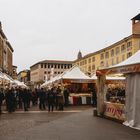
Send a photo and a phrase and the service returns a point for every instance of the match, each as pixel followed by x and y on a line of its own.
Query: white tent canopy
pixel 6 77
pixel 74 73
pixel 20 84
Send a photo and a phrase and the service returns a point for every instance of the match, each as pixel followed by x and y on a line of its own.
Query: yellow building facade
pixel 113 54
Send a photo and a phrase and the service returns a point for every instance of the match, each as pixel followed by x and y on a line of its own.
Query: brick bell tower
pixel 136 24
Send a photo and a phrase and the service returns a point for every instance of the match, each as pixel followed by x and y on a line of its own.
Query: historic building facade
pixel 24 76
pixel 44 70
pixel 14 74
pixel 6 54
pixel 113 54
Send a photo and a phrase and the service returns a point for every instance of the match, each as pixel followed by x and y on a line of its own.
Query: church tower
pixel 79 56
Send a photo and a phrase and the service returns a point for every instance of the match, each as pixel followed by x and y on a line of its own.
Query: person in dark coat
pixel 1 99
pixel 42 99
pixel 94 97
pixel 50 99
pixel 25 99
pixel 66 97
pixel 20 94
pixel 10 100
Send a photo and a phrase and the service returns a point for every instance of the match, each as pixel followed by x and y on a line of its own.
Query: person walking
pixel 94 97
pixel 1 99
pixel 50 99
pixel 42 99
pixel 66 97
pixel 25 99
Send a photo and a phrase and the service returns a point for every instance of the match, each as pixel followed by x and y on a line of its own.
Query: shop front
pixel 124 105
pixel 79 91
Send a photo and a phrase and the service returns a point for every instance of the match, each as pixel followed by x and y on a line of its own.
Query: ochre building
pixel 113 54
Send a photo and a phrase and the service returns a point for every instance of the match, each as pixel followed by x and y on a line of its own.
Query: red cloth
pixel 75 100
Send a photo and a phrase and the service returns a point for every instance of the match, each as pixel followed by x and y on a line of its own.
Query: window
pixel 58 66
pixel 107 64
pixel 93 59
pixel 45 66
pixel 51 65
pixel 112 61
pixel 65 66
pixel 117 60
pixel 89 60
pixel 129 54
pixel 89 68
pixel 112 52
pixel 123 48
pixel 41 65
pixel 49 72
pixel 45 72
pixel 107 55
pixel 102 63
pixel 117 50
pixel 48 65
pixel 44 77
pixel 93 67
pixel 85 62
pixel 55 65
pixel 129 46
pixel 123 57
pixel 61 66
pixel 102 56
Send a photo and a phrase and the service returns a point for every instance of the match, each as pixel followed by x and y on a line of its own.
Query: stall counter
pixel 115 111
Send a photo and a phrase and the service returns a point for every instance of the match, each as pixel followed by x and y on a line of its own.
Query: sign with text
pixel 115 110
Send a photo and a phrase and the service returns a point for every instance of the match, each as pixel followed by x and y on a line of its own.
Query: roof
pixel 75 73
pixel 117 43
pixel 137 17
pixel 52 62
pixel 23 71
pixel 14 66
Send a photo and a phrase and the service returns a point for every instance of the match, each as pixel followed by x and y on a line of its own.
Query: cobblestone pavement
pixel 15 123
pixel 76 123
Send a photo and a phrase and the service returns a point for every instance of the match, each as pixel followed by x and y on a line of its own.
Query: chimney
pixel 136 24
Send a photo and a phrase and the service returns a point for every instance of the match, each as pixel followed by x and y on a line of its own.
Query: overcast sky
pixel 58 29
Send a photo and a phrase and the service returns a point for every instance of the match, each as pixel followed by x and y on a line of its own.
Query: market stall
pixel 17 83
pixel 79 86
pixel 130 112
pixel 77 83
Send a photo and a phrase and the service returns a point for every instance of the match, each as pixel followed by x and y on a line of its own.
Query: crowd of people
pixel 18 98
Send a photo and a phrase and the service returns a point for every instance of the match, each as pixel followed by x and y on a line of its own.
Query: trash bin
pixel 95 112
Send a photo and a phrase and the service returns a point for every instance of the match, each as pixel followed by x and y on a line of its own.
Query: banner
pixel 115 110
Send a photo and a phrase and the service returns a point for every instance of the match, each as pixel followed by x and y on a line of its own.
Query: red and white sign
pixel 115 110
